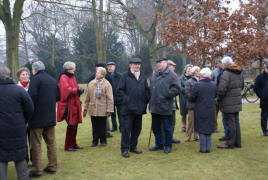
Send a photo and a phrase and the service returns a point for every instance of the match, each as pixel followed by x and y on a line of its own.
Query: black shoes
pixel 113 130
pixel 93 145
pixel 33 175
pixel 78 147
pixel 125 154
pixel 136 151
pixel 167 150
pixel 223 138
pixel 175 141
pixel 109 135
pixel 156 148
pixel 49 171
pixel 103 144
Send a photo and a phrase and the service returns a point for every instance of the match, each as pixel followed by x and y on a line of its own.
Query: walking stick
pixel 150 135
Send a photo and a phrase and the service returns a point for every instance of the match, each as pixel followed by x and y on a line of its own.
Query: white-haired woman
pixel 99 104
pixel 69 106
pixel 189 86
pixel 203 95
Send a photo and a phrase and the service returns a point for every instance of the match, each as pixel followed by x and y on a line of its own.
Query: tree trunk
pixel 12 47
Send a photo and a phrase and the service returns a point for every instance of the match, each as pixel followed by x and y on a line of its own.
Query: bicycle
pixel 248 93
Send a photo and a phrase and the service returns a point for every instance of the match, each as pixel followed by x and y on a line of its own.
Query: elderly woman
pixel 16 108
pixel 23 75
pixel 182 97
pixel 189 86
pixel 99 104
pixel 69 106
pixel 203 95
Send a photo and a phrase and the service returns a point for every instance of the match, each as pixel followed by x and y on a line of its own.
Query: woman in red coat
pixel 69 106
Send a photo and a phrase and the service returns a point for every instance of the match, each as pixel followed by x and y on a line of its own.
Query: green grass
pixel 185 162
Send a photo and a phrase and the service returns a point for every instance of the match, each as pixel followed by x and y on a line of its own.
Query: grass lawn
pixel 185 161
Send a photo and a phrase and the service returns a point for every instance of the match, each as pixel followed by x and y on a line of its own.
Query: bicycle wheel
pixel 250 96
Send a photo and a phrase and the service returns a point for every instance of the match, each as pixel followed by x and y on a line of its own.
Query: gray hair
pixel 227 60
pixel 205 72
pixel 38 66
pixel 4 72
pixel 68 65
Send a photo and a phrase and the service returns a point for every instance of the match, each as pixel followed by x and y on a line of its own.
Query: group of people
pixel 27 109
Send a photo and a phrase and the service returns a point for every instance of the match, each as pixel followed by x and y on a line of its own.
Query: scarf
pixel 24 84
pixel 99 89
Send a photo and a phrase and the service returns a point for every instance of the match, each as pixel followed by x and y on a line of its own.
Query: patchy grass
pixel 185 161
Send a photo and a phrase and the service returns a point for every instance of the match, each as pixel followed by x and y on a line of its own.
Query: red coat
pixel 68 87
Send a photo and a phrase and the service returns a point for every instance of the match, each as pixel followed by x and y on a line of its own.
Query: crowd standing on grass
pixel 202 94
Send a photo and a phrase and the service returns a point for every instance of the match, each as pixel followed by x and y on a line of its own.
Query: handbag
pixel 65 114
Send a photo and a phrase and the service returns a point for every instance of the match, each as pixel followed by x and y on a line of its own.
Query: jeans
pixel 157 121
pixel 205 142
pixel 224 126
pixel 131 128
pixel 264 117
pixel 21 169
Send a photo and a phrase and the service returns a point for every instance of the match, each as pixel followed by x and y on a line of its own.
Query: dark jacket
pixel 203 94
pixel 45 93
pixel 16 108
pixel 182 96
pixel 230 87
pixel 164 87
pixel 133 95
pixel 261 89
pixel 115 81
pixel 189 87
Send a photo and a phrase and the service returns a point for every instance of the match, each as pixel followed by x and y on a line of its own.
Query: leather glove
pixel 109 114
pixel 80 91
pixel 84 113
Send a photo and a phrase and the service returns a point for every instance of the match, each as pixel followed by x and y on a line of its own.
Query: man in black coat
pixel 45 93
pixel 261 89
pixel 115 76
pixel 164 87
pixel 133 95
pixel 16 108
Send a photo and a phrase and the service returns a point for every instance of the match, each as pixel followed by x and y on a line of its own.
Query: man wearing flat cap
pixel 115 76
pixel 133 95
pixel 261 89
pixel 164 87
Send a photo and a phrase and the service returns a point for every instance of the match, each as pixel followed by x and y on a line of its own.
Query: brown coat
pixel 99 107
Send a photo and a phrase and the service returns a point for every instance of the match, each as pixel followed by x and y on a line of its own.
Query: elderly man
pixel 172 67
pixel 164 87
pixel 230 103
pixel 115 76
pixel 16 108
pixel 261 89
pixel 45 93
pixel 133 95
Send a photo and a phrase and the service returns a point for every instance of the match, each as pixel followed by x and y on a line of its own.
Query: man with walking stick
pixel 164 87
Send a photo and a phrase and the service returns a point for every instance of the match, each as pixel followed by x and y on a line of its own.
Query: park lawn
pixel 185 161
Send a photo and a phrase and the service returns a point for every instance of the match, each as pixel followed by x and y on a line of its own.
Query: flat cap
pixel 100 65
pixel 161 59
pixel 171 63
pixel 134 60
pixel 111 63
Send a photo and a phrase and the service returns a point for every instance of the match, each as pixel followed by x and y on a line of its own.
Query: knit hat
pixel 205 72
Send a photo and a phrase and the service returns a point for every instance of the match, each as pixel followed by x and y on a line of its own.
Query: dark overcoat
pixel 204 94
pixel 133 95
pixel 182 95
pixel 261 89
pixel 16 108
pixel 45 93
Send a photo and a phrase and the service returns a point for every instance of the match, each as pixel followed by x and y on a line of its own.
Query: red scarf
pixel 24 84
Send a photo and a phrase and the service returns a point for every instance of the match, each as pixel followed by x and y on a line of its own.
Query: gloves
pixel 80 91
pixel 84 113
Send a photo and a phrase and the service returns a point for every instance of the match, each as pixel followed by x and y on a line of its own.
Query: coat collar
pixel 164 73
pixel 6 81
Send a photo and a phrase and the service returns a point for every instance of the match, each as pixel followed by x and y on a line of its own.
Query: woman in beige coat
pixel 99 104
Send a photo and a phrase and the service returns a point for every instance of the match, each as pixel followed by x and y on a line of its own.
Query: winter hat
pixel 205 72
